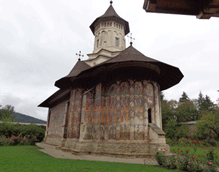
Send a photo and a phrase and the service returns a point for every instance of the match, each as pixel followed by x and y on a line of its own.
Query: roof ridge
pixel 79 67
pixel 131 54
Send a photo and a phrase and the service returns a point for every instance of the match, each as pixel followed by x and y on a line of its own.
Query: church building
pixel 110 104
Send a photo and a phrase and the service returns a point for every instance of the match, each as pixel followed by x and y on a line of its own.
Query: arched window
pixel 149 116
pixel 117 42
pixel 98 43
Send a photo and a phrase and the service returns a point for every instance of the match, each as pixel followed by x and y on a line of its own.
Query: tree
pixel 6 113
pixel 183 98
pixel 168 110
pixel 170 129
pixel 210 121
pixel 200 101
pixel 186 111
pixel 161 96
pixel 205 103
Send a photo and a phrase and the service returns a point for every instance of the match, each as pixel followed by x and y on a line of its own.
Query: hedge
pixel 9 129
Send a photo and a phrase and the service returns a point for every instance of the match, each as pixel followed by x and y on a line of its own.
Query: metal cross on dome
pixel 79 55
pixel 131 38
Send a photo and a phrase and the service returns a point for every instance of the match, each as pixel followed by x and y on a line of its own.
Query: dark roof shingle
pixel 110 14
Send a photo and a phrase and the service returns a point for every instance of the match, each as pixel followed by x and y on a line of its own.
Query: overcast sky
pixel 39 40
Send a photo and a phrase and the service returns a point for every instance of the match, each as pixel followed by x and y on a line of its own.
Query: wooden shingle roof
pixel 166 75
pixel 202 9
pixel 110 14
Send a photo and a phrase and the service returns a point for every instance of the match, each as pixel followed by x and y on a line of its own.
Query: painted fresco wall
pixel 74 114
pixel 56 119
pixel 120 112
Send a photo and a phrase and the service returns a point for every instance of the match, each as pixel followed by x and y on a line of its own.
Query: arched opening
pixel 149 116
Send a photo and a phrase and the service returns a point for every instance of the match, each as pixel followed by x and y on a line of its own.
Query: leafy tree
pixel 183 131
pixel 183 98
pixel 210 121
pixel 168 110
pixel 186 111
pixel 170 129
pixel 6 113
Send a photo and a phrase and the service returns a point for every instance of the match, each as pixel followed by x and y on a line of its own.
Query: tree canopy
pixel 6 113
pixel 186 109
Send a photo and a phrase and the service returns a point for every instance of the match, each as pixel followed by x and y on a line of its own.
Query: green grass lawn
pixel 28 158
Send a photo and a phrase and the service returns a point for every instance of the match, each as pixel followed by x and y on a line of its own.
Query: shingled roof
pixel 130 54
pixel 167 75
pixel 78 68
pixel 110 14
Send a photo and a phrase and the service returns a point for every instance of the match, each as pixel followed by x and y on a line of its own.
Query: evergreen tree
pixel 209 105
pixel 183 98
pixel 205 103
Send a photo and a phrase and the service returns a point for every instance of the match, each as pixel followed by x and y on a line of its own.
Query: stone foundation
pixel 110 148
pixel 53 141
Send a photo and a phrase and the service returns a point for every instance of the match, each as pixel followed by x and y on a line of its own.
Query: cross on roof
pixel 79 54
pixel 131 38
pixel 111 2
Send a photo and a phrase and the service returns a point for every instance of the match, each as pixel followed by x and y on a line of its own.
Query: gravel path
pixel 52 151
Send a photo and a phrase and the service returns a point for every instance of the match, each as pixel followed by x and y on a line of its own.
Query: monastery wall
pixel 109 118
pixel 120 112
pixel 55 121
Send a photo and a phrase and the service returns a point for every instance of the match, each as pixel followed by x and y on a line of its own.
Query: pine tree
pixel 183 98
pixel 200 102
pixel 205 103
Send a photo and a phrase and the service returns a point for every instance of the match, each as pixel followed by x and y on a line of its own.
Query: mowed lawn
pixel 28 158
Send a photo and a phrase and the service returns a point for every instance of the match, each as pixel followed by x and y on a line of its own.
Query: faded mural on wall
pixel 116 112
pixel 57 115
pixel 119 112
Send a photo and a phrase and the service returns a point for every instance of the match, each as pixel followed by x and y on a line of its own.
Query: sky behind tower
pixel 39 40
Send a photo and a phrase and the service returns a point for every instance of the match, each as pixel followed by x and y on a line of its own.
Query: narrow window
pixel 149 116
pixel 98 43
pixel 117 42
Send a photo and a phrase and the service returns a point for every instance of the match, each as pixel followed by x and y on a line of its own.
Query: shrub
pixel 17 140
pixel 170 142
pixel 183 163
pixel 185 160
pixel 8 130
pixel 184 142
pixel 160 157
pixel 170 129
pixel 183 131
pixel 166 161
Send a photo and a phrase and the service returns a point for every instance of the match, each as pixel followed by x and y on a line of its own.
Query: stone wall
pixel 120 111
pixel 111 119
pixel 55 120
pixel 74 114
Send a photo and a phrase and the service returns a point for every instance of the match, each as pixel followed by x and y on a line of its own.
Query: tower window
pixel 149 116
pixel 117 42
pixel 98 41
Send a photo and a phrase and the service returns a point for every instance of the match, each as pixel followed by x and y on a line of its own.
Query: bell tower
pixel 109 31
